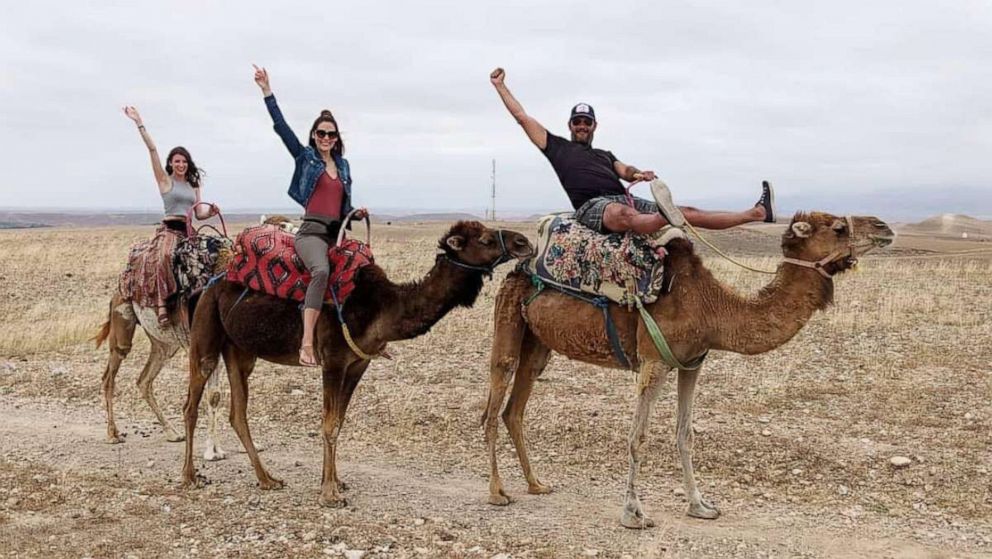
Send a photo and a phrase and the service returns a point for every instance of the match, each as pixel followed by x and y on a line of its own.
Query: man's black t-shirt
pixel 585 172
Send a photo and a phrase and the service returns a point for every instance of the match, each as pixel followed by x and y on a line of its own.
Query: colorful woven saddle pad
pixel 618 266
pixel 265 260
pixel 195 260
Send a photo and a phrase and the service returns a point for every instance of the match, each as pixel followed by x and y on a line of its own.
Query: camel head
pixel 280 221
pixel 472 245
pixel 832 244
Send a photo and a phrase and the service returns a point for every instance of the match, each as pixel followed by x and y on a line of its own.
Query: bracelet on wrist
pixel 141 127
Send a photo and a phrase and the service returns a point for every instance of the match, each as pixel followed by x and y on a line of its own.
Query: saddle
pixel 265 260
pixel 622 267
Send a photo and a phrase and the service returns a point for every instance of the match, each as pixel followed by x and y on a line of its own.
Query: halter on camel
pixel 487 269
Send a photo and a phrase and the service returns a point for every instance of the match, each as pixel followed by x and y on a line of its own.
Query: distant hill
pixel 951 225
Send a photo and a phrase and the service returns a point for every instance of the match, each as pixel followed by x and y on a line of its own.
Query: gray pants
pixel 312 241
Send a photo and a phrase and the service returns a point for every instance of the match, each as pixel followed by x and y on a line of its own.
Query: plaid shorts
pixel 591 213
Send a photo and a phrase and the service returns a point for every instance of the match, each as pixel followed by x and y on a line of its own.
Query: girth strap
pixel 662 345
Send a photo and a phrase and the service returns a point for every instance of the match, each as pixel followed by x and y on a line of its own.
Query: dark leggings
pixel 312 242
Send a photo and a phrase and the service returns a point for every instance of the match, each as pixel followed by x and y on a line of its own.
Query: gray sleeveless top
pixel 179 199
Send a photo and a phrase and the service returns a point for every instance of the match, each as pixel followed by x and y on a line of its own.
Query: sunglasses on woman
pixel 326 133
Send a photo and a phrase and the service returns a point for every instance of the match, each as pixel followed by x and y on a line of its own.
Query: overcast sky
pixel 828 99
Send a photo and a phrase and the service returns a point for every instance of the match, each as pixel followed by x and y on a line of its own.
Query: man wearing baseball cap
pixel 591 179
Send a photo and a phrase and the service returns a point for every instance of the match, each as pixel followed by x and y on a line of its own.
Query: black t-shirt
pixel 585 172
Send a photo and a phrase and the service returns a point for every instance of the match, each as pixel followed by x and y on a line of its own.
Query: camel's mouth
pixel 879 235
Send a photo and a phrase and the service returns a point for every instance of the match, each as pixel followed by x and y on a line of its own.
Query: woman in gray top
pixel 149 279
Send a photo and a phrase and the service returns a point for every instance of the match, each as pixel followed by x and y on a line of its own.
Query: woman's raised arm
pixel 160 175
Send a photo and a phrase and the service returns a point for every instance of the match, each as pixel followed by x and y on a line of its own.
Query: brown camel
pixel 698 314
pixel 245 326
pixel 165 341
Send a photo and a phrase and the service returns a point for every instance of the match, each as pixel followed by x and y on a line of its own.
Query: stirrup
pixel 667 207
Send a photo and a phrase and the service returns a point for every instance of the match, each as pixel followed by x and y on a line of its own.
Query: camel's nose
pixel 881 234
pixel 519 245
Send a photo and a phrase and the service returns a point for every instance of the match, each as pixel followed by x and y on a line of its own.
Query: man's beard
pixel 587 141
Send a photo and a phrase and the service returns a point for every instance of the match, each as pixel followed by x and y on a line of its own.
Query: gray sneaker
pixel 767 201
pixel 668 209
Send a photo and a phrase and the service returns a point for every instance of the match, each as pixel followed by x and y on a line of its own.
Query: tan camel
pixel 165 341
pixel 697 315
pixel 245 326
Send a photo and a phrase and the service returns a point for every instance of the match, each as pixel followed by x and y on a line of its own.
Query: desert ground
pixel 794 446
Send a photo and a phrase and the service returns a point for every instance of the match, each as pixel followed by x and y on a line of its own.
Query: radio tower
pixel 492 211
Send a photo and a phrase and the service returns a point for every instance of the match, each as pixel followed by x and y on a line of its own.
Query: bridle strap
pixel 486 269
pixel 819 265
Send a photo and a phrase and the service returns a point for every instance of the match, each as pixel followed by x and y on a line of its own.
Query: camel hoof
pixel 115 439
pixel 175 437
pixel 703 510
pixel 636 521
pixel 538 489
pixel 214 454
pixel 195 481
pixel 271 484
pixel 500 499
pixel 333 502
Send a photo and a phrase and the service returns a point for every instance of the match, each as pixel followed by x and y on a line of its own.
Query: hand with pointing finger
pixel 262 79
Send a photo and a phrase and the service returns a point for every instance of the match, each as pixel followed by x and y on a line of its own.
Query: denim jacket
pixel 309 165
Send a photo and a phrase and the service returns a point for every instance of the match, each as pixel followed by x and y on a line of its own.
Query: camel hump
pixel 620 267
pixel 265 260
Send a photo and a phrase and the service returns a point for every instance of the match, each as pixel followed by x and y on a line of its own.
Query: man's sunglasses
pixel 326 133
pixel 581 120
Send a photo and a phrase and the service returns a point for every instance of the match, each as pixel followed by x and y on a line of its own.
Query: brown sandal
pixel 304 362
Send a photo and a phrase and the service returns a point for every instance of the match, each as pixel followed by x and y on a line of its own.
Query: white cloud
pixel 822 97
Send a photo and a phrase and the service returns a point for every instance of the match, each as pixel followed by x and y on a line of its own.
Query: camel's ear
pixel 802 229
pixel 456 242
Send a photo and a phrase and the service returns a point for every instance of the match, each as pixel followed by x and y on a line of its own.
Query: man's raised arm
pixel 537 133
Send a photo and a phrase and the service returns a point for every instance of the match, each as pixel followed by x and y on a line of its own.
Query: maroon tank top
pixel 326 198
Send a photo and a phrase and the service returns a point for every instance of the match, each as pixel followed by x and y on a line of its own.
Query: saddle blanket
pixel 622 267
pixel 265 260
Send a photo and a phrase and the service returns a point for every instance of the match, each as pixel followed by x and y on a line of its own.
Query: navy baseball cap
pixel 583 109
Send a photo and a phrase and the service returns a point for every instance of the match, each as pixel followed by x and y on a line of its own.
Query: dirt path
pixel 80 496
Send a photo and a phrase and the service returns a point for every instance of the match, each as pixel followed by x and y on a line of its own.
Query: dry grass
pixel 900 365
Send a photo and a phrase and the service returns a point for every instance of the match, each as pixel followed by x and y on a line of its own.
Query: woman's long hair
pixel 193 173
pixel 327 116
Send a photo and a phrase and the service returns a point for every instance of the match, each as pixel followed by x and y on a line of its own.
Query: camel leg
pixel 510 328
pixel 339 386
pixel 533 358
pixel 212 451
pixel 239 368
pixel 160 353
pixel 121 323
pixel 355 373
pixel 698 506
pixel 652 377
pixel 201 365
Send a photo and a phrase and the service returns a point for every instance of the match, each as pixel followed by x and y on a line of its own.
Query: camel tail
pixel 104 332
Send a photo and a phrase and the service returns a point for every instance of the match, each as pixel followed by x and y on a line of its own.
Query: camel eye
pixel 485 241
pixel 840 228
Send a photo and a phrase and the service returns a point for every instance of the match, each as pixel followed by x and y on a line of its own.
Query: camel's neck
pixel 772 317
pixel 421 304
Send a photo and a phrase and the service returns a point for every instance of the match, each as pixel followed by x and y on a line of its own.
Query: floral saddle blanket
pixel 265 260
pixel 622 267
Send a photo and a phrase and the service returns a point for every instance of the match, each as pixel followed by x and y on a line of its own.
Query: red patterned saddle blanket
pixel 265 260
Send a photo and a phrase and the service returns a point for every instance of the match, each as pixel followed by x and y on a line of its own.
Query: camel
pixel 165 341
pixel 243 326
pixel 697 315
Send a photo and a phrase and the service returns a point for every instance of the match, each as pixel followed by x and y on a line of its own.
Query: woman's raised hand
pixel 132 114
pixel 262 79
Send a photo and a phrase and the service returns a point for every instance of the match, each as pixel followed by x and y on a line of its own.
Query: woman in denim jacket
pixel 322 185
